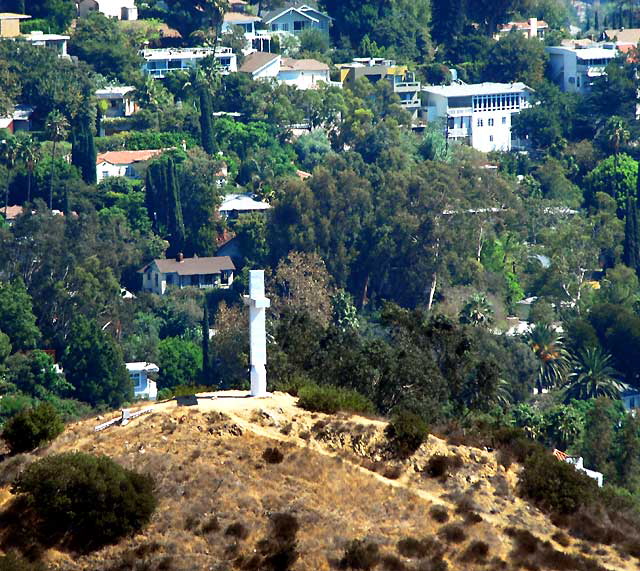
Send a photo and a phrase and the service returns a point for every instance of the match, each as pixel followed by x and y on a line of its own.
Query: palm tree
pixel 616 134
pixel 593 376
pixel 9 157
pixel 56 127
pixel 548 347
pixel 477 311
pixel 29 154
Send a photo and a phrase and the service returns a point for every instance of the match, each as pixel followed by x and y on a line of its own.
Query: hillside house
pixel 532 28
pixel 159 62
pixel 303 73
pixel 235 204
pixel 478 115
pixel 10 24
pixel 246 22
pixel 123 163
pixel 119 100
pixel 143 387
pixel 119 9
pixel 181 272
pixel 574 69
pixel 375 69
pixel 19 120
pixel 261 65
pixel 56 42
pixel 294 18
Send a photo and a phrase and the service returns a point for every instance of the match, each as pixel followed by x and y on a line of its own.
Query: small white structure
pixel 123 163
pixel 631 399
pixel 55 42
pixel 143 386
pixel 574 69
pixel 181 272
pixel 120 9
pixel 578 463
pixel 119 100
pixel 159 62
pixel 258 304
pixel 235 204
pixel 19 120
pixel 478 114
pixel 303 73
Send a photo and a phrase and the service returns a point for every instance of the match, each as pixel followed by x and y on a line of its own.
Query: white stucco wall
pixel 303 79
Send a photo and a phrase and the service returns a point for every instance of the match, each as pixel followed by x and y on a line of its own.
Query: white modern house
pixel 119 9
pixel 55 42
pixel 235 204
pixel 18 120
pixel 143 387
pixel 303 73
pixel 123 163
pixel 294 18
pixel 574 69
pixel 181 272
pixel 478 114
pixel 159 62
pixel 119 100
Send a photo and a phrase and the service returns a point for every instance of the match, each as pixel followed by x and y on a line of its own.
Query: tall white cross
pixel 258 304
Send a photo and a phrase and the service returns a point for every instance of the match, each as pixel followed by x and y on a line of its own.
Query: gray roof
pixel 256 61
pixel 267 16
pixel 467 90
pixel 195 266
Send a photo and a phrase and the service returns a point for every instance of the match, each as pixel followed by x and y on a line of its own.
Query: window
pixel 490 122
pixel 504 120
pixel 299 25
pixel 285 27
pixel 105 174
pixel 274 27
pixel 479 122
pixel 491 138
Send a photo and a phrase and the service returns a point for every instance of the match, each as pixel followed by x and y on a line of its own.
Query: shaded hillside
pixel 224 469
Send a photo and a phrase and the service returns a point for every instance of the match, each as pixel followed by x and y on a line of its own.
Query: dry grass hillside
pixel 223 468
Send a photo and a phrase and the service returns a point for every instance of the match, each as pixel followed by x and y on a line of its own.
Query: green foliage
pixel 330 400
pixel 180 362
pixel 616 176
pixel 34 374
pixel 92 499
pixel 407 431
pixel 16 315
pixel 94 365
pixel 32 428
pixel 140 140
pixel 361 554
pixel 554 485
pixel 593 376
pixel 516 58
pixel 83 154
pixel 312 149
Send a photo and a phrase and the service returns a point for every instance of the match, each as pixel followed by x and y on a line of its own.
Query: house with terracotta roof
pixel 180 272
pixel 123 163
pixel 532 28
pixel 303 73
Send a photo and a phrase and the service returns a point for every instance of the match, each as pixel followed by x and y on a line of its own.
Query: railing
pixel 412 103
pixel 458 132
pixel 407 85
pixel 460 112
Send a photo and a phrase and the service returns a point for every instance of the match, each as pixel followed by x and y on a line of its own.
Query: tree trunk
pixel 432 289
pixel 365 291
pixel 53 170
pixel 29 174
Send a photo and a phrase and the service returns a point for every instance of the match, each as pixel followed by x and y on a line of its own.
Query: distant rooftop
pixel 240 17
pixel 13 16
pixel 526 25
pixel 183 53
pixel 467 90
pixel 38 35
pixel 288 64
pixel 127 157
pixel 594 52
pixel 114 91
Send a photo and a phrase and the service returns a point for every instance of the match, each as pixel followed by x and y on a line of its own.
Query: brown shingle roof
pixel 240 17
pixel 194 266
pixel 303 64
pixel 127 157
pixel 257 60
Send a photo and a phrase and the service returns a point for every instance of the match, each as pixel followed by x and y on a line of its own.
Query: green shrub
pixel 330 400
pixel 30 428
pixel 407 431
pixel 90 499
pixel 554 485
pixel 361 554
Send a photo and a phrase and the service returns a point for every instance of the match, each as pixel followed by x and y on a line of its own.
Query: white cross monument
pixel 258 304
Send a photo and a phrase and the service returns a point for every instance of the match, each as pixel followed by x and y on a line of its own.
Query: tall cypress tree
pixel 206 359
pixel 631 253
pixel 83 151
pixel 175 221
pixel 206 121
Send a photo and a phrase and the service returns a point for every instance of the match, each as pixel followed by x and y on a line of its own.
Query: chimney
pixel 180 257
pixel 533 27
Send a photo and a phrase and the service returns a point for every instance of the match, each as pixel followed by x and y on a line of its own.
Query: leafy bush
pixel 361 554
pixel 272 456
pixel 453 533
pixel 91 498
pixel 439 514
pixel 554 485
pixel 330 400
pixel 407 431
pixel 439 465
pixel 237 530
pixel 31 428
